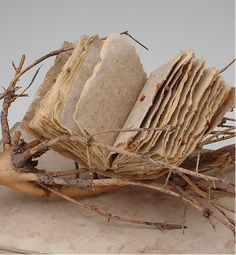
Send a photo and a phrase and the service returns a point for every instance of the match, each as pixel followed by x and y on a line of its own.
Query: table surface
pixel 57 226
pixel 46 225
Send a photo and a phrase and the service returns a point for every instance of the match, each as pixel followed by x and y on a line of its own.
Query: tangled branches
pixel 189 182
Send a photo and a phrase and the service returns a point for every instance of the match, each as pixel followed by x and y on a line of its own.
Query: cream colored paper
pixel 161 102
pixel 145 102
pixel 111 92
pixel 101 85
pixel 48 84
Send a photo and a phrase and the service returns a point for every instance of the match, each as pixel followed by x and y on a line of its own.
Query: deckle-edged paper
pixel 101 85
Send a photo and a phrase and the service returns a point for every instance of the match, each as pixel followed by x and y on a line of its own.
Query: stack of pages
pixel 101 85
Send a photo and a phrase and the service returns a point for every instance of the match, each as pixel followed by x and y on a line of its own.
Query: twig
pixel 126 33
pixel 229 119
pixel 211 158
pixel 14 66
pixel 89 184
pixel 167 178
pixel 186 197
pixel 8 91
pixel 220 139
pixel 109 216
pixel 208 140
pixel 225 207
pixel 126 130
pixel 227 126
pixel 31 82
pixel 3 94
pixel 18 70
pixel 38 61
pixel 158 163
pixel 225 132
pixel 9 94
pixel 198 160
pixel 216 205
pixel 226 67
pixel 225 190
pixel 76 138
pixel 68 172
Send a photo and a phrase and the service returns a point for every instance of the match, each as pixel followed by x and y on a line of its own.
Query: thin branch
pixel 216 205
pixel 87 184
pixel 18 70
pixel 45 179
pixel 226 67
pixel 209 139
pixel 13 64
pixel 224 206
pixel 226 126
pixel 198 160
pixel 20 66
pixel 9 94
pixel 225 132
pixel 6 138
pixel 209 213
pixel 211 158
pixel 38 61
pixel 225 220
pixel 127 33
pixel 225 190
pixel 158 163
pixel 76 138
pixel 220 139
pixel 109 216
pixel 8 91
pixel 31 82
pixel 126 130
pixel 167 178
pixel 228 119
pixel 3 94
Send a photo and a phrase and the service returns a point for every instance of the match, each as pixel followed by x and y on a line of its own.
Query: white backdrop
pixel 164 26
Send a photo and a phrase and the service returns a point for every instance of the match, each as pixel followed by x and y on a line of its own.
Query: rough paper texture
pixel 111 92
pixel 101 85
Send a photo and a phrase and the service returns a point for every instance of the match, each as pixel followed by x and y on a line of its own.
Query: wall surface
pixel 164 26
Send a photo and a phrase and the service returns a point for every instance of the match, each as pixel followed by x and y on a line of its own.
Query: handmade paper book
pixel 101 85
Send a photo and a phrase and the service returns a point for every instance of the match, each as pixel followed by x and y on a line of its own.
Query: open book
pixel 101 85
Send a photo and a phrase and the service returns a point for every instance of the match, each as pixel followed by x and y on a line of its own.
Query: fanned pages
pixel 100 85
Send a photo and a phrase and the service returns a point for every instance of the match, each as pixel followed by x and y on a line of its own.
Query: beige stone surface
pixel 57 226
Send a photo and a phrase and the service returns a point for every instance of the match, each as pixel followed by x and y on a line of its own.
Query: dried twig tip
pixel 127 33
